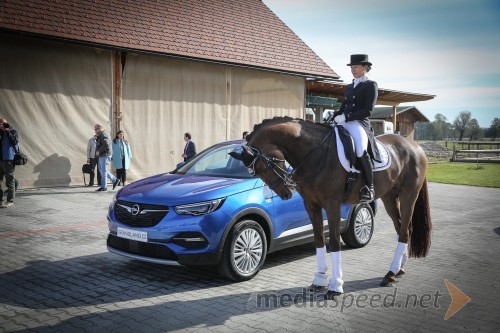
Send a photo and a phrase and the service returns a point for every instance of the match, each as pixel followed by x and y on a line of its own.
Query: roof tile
pixel 234 31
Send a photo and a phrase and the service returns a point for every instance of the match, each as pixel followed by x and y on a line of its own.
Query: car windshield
pixel 217 162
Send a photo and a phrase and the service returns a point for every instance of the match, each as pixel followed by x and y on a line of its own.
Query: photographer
pixel 8 147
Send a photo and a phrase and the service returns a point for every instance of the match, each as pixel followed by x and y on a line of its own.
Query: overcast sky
pixel 447 48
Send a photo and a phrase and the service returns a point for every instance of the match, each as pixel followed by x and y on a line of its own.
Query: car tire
pixel 244 251
pixel 360 229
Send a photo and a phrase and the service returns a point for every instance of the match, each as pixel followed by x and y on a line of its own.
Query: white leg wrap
pixel 336 281
pixel 405 258
pixel 321 259
pixel 405 255
pixel 398 257
pixel 320 279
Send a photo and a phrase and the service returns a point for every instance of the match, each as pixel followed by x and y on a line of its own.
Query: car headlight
pixel 199 208
pixel 112 204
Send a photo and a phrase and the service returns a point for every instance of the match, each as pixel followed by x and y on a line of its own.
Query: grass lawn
pixel 487 174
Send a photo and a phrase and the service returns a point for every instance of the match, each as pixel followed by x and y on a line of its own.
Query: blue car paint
pixel 239 194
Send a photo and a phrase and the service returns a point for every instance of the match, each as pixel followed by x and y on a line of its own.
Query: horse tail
pixel 421 225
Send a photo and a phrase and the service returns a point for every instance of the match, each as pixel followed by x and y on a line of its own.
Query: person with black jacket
pixel 103 151
pixel 9 140
pixel 359 101
pixel 189 148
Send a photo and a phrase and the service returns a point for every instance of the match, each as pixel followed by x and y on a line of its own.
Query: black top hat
pixel 359 59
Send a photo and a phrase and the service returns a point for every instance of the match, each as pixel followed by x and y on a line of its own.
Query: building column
pixel 394 108
pixel 118 65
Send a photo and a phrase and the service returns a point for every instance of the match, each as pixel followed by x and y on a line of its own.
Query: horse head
pixel 270 167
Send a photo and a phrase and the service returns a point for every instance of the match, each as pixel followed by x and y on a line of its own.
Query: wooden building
pixel 155 69
pixel 406 118
pixel 329 95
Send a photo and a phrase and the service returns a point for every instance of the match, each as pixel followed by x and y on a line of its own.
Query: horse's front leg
pixel 320 281
pixel 335 287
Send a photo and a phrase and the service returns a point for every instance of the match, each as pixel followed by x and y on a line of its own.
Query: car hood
pixel 171 189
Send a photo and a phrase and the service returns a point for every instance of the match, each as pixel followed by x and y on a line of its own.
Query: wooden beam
pixel 394 108
pixel 117 91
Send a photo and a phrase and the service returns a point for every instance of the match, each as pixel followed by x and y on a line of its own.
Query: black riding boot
pixel 366 194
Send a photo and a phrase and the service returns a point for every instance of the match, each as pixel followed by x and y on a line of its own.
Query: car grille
pixel 146 216
pixel 144 249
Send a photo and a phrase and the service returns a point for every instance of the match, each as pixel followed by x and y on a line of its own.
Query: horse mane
pixel 279 120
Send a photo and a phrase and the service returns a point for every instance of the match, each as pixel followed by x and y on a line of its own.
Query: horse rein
pixel 283 175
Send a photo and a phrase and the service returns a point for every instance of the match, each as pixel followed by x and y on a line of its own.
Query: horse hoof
pixel 400 273
pixel 330 295
pixel 388 280
pixel 386 283
pixel 315 289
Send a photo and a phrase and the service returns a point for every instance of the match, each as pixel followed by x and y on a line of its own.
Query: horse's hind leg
pixel 391 204
pixel 392 207
pixel 320 281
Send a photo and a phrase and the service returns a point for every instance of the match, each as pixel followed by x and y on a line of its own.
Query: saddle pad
pixel 384 155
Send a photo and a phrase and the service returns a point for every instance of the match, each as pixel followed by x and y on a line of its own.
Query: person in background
pixel 92 160
pixel 121 156
pixel 9 140
pixel 189 148
pixel 104 151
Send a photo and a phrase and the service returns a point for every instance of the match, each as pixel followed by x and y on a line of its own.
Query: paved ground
pixel 57 276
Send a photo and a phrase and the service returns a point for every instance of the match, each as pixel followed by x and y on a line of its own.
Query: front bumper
pixel 159 253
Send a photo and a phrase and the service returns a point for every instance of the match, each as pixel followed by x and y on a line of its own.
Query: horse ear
pixel 249 151
pixel 236 155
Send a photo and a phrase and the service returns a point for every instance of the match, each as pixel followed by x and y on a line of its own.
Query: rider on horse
pixel 359 100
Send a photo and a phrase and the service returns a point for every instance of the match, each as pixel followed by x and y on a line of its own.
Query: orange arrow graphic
pixel 458 299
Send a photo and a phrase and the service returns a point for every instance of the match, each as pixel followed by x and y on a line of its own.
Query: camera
pixel 5 125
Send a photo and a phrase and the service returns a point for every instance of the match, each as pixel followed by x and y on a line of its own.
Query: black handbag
pixel 86 168
pixel 20 158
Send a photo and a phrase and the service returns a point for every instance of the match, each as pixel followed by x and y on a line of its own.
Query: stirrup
pixel 366 194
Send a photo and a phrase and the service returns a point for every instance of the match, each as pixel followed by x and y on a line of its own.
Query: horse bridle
pixel 284 176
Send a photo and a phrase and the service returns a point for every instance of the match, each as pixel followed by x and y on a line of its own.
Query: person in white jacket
pixel 92 160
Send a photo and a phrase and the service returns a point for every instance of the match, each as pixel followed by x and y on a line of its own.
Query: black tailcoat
pixel 358 105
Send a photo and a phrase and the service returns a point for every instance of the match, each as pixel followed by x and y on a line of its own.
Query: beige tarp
pixel 163 98
pixel 53 94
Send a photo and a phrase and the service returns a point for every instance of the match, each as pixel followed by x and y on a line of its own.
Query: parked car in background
pixel 211 211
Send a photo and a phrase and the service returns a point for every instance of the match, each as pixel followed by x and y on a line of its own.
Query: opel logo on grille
pixel 135 210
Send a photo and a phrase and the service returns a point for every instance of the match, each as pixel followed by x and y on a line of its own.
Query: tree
pixel 461 123
pixel 494 130
pixel 441 126
pixel 474 129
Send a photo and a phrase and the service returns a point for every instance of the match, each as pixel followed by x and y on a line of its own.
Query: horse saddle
pixel 347 153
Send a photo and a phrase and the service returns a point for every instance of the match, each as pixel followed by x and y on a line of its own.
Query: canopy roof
pixel 386 113
pixel 385 96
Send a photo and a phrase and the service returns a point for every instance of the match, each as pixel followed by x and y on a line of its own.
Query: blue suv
pixel 211 211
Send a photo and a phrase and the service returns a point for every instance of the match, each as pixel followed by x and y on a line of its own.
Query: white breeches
pixel 358 134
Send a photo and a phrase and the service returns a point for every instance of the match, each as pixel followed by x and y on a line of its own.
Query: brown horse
pixel 318 176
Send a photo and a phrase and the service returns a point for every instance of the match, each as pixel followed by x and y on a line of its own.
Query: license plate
pixel 140 236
